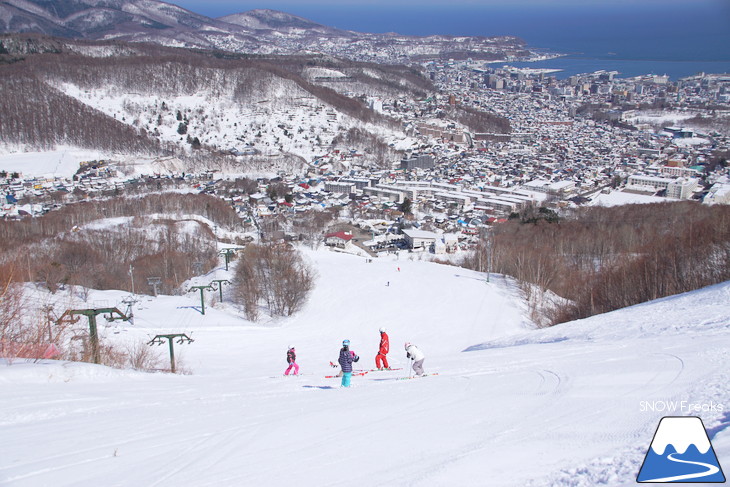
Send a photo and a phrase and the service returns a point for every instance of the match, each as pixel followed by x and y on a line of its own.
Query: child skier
pixel 415 354
pixel 291 358
pixel 381 361
pixel 347 357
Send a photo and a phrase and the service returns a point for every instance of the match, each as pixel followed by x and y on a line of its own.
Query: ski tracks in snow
pixel 204 453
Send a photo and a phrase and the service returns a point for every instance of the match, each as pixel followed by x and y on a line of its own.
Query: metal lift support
pixel 71 315
pixel 160 339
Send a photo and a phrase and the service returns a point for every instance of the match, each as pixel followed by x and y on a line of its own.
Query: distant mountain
pixel 134 20
pixel 254 32
pixel 272 20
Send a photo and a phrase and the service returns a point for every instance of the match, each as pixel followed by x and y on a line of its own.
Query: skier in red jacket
pixel 381 361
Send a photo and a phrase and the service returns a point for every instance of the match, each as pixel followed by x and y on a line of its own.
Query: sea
pixel 677 38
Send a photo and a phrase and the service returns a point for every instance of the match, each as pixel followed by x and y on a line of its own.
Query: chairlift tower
pixel 227 254
pixel 218 283
pixel 202 299
pixel 71 316
pixel 154 282
pixel 181 338
pixel 130 301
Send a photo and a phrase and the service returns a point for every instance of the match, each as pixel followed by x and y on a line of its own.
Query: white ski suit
pixel 415 354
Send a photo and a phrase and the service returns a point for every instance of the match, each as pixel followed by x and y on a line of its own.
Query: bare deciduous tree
pixel 601 259
pixel 275 275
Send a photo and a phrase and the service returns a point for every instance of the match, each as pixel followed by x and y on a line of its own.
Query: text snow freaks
pixel 683 407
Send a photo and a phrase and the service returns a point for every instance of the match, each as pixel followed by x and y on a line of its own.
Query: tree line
pixel 56 249
pixel 601 259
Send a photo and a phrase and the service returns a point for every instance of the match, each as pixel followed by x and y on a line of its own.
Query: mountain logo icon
pixel 681 452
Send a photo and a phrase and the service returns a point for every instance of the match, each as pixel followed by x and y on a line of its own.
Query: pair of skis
pixel 361 372
pixel 416 376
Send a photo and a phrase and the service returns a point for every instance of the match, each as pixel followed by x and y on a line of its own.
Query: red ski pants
pixel 381 361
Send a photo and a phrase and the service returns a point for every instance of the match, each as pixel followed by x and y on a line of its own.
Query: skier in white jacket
pixel 415 354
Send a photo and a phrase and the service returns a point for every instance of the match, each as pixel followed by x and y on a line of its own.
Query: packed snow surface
pixel 510 406
pixel 618 198
pixel 62 163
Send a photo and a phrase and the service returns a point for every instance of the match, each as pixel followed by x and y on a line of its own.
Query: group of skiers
pixel 348 357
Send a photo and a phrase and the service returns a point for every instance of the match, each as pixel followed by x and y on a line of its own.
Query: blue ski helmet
pixel 345 343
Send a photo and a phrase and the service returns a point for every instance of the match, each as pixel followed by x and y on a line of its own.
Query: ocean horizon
pixel 678 39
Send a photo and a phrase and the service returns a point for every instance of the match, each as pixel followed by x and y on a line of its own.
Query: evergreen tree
pixel 406 207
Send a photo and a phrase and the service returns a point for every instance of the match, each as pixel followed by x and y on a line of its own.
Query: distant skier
pixel 415 354
pixel 347 357
pixel 381 361
pixel 291 358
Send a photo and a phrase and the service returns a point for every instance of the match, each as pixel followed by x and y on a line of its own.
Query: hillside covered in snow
pixel 206 109
pixel 511 405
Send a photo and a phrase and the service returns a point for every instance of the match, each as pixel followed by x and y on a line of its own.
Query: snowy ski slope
pixel 511 406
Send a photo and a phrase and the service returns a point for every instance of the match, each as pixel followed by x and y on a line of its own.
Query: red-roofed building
pixel 338 239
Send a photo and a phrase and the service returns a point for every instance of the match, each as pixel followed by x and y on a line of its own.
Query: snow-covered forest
pixel 157 101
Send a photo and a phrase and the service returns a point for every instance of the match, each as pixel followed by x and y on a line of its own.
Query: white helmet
pixel 291 347
pixel 382 329
pixel 408 344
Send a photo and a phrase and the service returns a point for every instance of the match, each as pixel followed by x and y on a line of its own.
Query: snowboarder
pixel 291 358
pixel 347 357
pixel 415 354
pixel 381 361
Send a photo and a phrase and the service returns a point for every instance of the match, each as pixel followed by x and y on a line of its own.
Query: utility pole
pixel 181 338
pixel 220 283
pixel 131 276
pixel 70 315
pixel 202 299
pixel 489 253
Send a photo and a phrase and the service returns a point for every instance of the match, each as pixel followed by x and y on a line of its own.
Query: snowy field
pixel 510 406
pixel 62 163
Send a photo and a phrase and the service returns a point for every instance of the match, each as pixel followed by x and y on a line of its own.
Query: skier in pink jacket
pixel 291 358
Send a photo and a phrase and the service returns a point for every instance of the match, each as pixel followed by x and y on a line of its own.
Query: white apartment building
pixel 679 172
pixel 558 188
pixel 339 187
pixel 679 188
pixel 390 194
pixel 419 239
